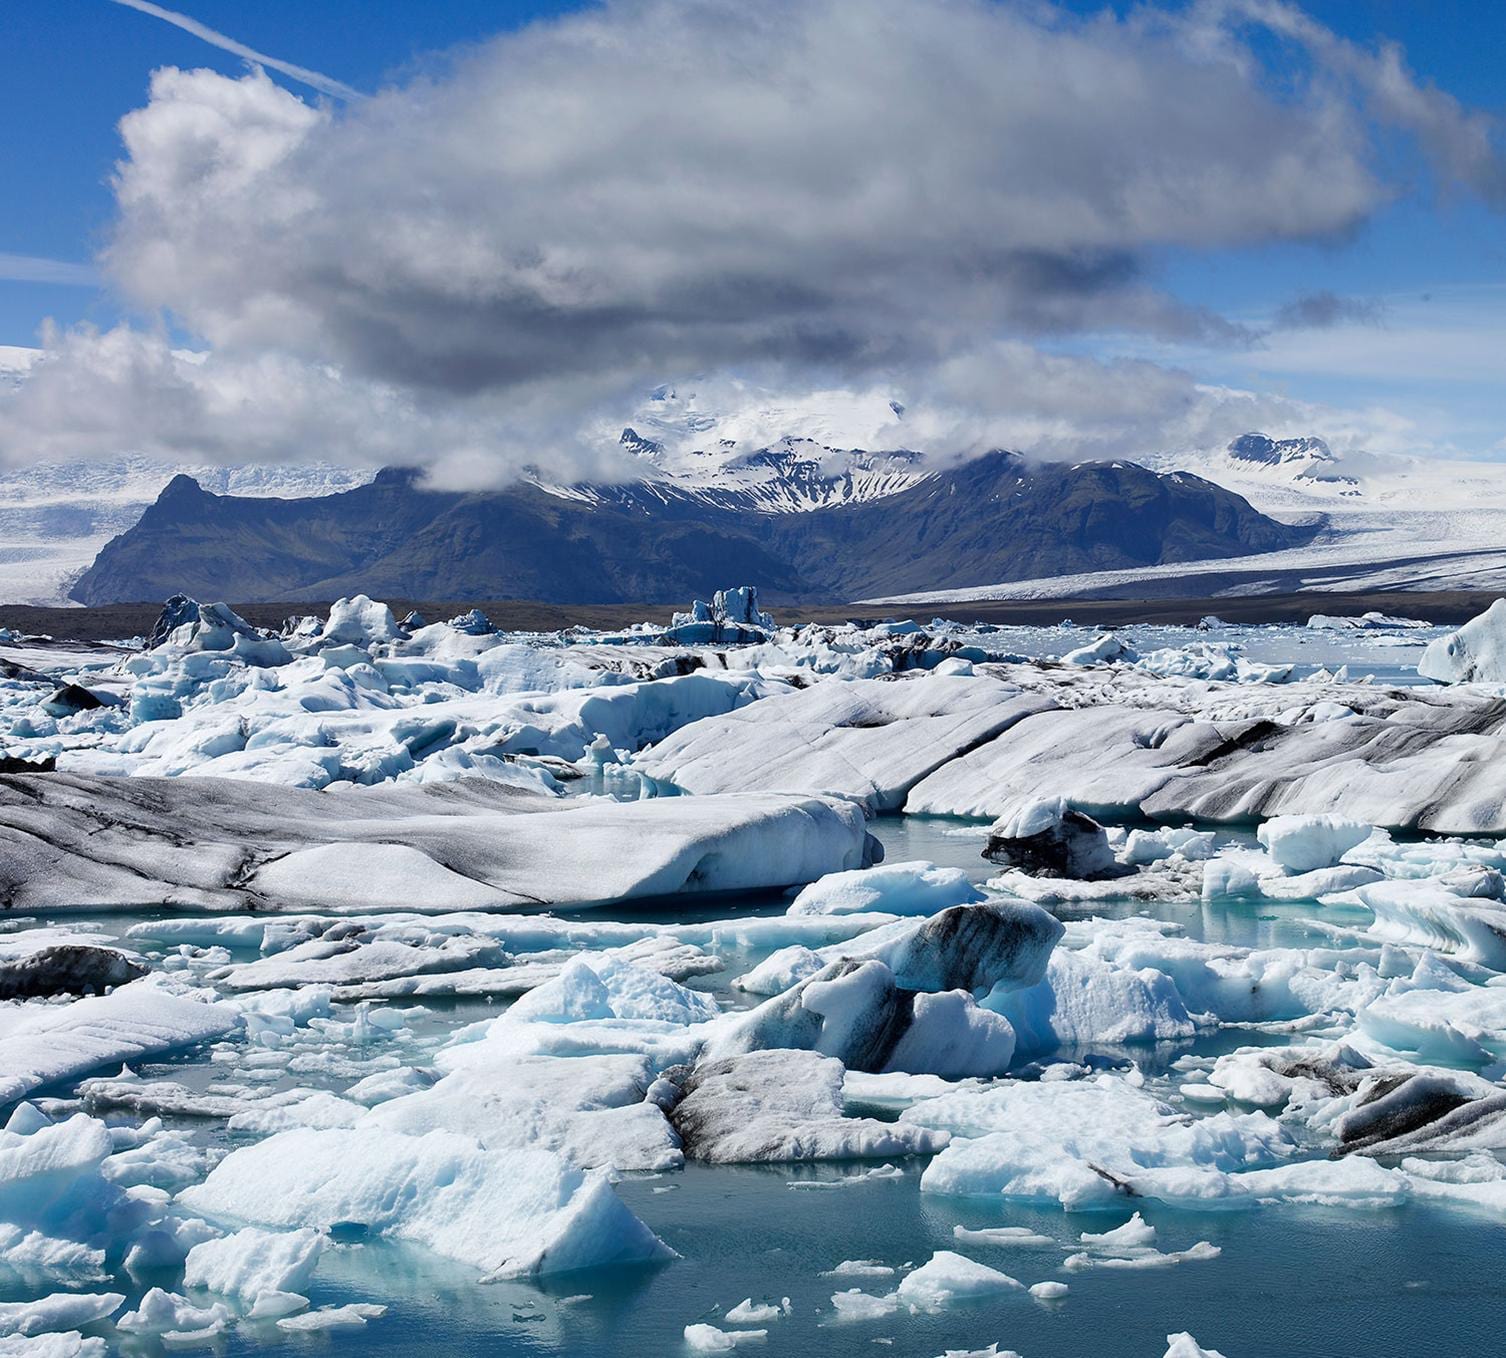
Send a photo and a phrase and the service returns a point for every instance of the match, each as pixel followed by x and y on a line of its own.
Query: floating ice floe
pixel 592 1109
pixel 1303 844
pixel 947 1277
pixel 889 888
pixel 71 842
pixel 265 1270
pixel 1087 1144
pixel 507 1213
pixel 709 1339
pixel 1183 1345
pixel 902 998
pixel 1045 837
pixel 142 1019
pixel 60 1311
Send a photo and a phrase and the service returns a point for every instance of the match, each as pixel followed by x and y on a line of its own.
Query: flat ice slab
pixel 69 841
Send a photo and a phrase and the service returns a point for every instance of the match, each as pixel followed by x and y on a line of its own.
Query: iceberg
pixel 264 1270
pixel 947 1277
pixel 70 842
pixel 591 1109
pixel 1302 844
pixel 141 1019
pixel 508 1213
pixel 1475 654
pixel 67 969
pixel 1183 1345
pixel 1084 1144
pixel 891 888
pixel 784 1107
pixel 1048 838
pixel 869 740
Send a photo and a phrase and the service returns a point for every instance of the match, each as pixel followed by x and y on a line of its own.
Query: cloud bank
pixel 468 271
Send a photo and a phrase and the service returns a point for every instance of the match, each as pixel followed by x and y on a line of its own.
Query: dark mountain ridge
pixel 995 519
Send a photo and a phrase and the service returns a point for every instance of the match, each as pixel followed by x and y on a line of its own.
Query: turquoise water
pixel 1304 1283
pixel 1292 1281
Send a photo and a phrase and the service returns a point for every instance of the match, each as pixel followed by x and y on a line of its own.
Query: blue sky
pixel 1427 265
pixel 70 69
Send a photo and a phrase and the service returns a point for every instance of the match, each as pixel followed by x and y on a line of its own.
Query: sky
pixel 472 235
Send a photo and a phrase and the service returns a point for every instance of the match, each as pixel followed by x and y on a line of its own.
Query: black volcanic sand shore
pixel 117 621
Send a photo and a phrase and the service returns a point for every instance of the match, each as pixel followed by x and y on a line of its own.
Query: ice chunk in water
pixel 1305 843
pixel 709 1339
pixel 509 1213
pixel 783 1106
pixel 1475 654
pixel 60 1311
pixel 353 1315
pixel 134 1021
pixel 608 988
pixel 747 1312
pixel 1080 1142
pixel 781 970
pixel 260 1267
pixel 1045 837
pixel 947 1277
pixel 162 1312
pixel 917 888
pixel 1084 1000
pixel 856 1012
pixel 1136 1233
pixel 1185 1346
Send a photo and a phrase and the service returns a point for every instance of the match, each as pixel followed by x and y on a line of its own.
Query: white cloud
pixel 852 195
pixel 846 184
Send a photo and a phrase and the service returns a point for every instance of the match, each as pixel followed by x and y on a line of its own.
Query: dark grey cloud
pixel 1323 310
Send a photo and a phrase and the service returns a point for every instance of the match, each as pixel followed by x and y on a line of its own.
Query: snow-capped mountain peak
pixel 1263 449
pixel 736 446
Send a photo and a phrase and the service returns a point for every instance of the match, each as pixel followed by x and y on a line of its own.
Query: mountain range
pixel 800 520
pixel 819 498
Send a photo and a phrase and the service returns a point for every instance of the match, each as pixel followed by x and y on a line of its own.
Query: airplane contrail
pixel 35 269
pixel 323 83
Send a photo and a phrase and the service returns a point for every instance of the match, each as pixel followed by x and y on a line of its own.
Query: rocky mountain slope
pixel 998 517
pixel 55 516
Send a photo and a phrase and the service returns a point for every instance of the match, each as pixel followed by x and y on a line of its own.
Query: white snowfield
pixel 335 853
